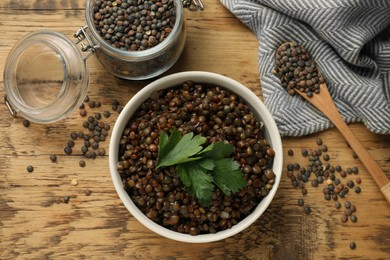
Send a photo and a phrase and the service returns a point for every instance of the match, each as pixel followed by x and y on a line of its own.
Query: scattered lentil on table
pixel 67 150
pixel 91 104
pixel 97 131
pixel 26 123
pixel 71 143
pixel 82 163
pixel 324 173
pixel 53 158
pixel 73 135
pixel 66 199
pixel 30 168
pixel 106 114
pixel 83 112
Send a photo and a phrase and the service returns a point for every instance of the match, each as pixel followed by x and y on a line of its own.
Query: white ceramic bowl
pixel 259 109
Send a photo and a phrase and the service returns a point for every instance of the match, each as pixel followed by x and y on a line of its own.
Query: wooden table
pixel 35 223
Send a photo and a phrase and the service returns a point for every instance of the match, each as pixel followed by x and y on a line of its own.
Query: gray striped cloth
pixel 349 39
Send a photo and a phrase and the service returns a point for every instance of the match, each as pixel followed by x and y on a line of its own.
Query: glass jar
pixel 139 65
pixel 46 78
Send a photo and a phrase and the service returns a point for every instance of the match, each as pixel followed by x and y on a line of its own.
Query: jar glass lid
pixel 45 77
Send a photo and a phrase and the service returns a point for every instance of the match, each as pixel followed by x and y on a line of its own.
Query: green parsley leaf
pixel 181 170
pixel 200 182
pixel 163 140
pixel 192 174
pixel 200 168
pixel 228 176
pixel 167 144
pixel 217 151
pixel 179 149
pixel 206 164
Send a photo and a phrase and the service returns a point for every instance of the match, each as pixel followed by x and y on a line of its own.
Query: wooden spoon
pixel 324 102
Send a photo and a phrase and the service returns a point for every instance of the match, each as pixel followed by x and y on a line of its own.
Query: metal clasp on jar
pixel 82 35
pixel 193 5
pixel 11 110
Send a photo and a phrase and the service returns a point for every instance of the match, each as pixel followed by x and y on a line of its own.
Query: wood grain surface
pixel 35 223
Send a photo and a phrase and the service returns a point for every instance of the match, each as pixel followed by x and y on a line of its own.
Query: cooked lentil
pixel 216 114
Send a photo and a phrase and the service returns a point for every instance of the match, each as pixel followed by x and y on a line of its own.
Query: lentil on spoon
pixel 297 70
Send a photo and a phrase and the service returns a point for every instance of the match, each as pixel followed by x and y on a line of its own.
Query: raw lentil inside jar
pixel 137 39
pixel 216 114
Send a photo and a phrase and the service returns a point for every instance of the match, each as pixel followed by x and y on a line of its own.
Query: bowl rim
pixel 172 80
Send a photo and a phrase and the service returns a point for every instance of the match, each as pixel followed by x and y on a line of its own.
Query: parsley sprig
pixel 201 167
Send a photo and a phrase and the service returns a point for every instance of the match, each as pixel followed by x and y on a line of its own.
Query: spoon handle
pixel 325 104
pixel 372 167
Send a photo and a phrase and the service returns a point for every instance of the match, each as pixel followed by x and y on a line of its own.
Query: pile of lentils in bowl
pixel 134 25
pixel 218 115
